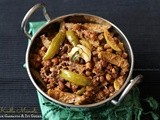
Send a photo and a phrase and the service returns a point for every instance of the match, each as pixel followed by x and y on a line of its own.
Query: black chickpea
pixel 88 65
pixel 88 73
pixel 124 55
pixel 55 61
pixel 106 46
pixel 102 78
pixel 108 77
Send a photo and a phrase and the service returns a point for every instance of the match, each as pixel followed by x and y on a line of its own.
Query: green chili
pixel 72 38
pixel 55 45
pixel 74 77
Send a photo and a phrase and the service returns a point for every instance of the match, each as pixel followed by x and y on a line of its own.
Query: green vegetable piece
pixel 74 78
pixel 75 57
pixel 72 38
pixel 37 76
pixel 55 45
pixel 81 91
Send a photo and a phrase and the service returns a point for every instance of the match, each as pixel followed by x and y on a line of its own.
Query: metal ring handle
pixel 134 81
pixel 28 15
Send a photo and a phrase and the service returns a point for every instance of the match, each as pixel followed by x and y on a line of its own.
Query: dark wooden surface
pixel 138 19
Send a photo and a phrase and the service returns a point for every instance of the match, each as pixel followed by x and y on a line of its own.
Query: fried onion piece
pixel 45 41
pixel 96 27
pixel 110 40
pixel 90 26
pixel 118 82
pixel 115 60
pixel 66 97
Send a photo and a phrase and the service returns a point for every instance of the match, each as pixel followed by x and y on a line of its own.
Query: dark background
pixel 138 19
